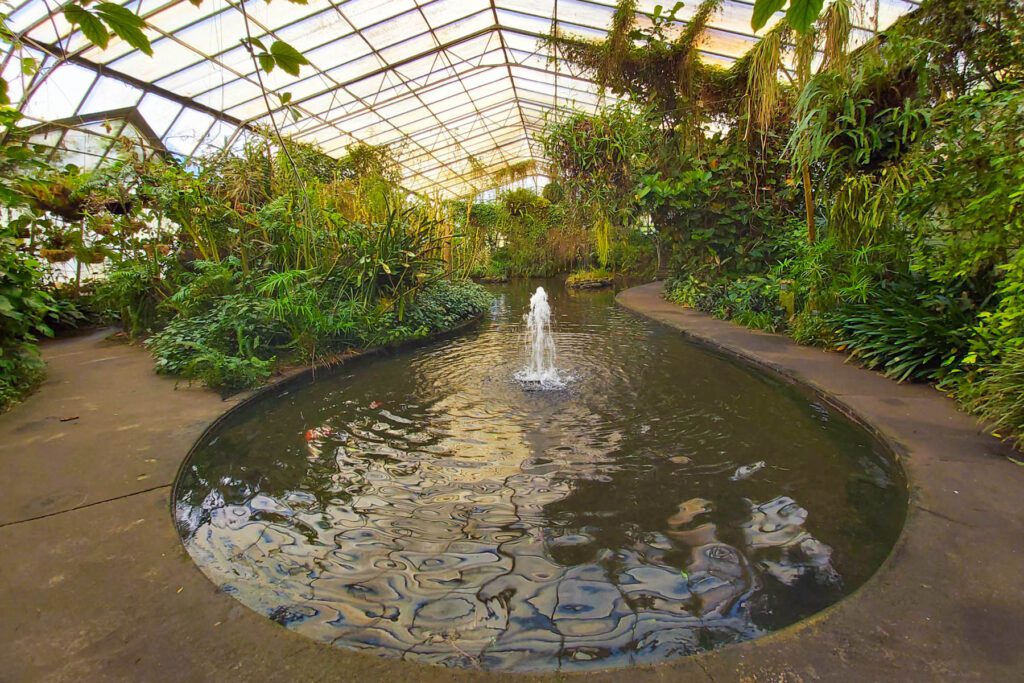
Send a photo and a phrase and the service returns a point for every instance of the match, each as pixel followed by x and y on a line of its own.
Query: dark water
pixel 440 513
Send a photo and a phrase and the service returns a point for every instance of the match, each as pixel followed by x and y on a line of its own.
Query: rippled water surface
pixel 422 505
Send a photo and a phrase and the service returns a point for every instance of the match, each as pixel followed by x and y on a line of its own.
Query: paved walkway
pixel 94 585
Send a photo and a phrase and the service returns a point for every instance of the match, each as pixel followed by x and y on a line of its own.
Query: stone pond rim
pixel 941 606
pixel 196 467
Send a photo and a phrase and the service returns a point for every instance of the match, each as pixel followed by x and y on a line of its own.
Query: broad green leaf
pixel 763 11
pixel 285 97
pixel 4 97
pixel 802 14
pixel 266 62
pixel 287 57
pixel 126 24
pixel 255 42
pixel 92 28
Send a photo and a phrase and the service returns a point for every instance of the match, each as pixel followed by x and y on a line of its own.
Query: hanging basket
pixel 102 225
pixel 118 207
pixel 162 249
pixel 92 256
pixel 57 255
pixel 132 227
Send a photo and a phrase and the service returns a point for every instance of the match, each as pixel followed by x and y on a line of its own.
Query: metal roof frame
pixel 444 81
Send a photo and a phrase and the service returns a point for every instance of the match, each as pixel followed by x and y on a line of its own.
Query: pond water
pixel 424 505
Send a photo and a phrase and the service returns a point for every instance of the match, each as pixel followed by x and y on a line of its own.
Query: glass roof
pixel 453 85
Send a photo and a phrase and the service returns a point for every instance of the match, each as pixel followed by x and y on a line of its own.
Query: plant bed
pixel 590 279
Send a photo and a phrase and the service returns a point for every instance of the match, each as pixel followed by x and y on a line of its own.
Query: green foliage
pixel 280 54
pixel 590 278
pixel 966 206
pixel 998 395
pixel 907 334
pixel 21 371
pixel 230 345
pixel 812 328
pixel 445 304
pixel 972 43
pixel 719 211
pixel 634 254
pixel 23 306
pixel 109 17
pixel 236 342
pixel 24 309
pixel 868 114
pixel 525 236
pixel 752 301
pixel 654 64
pixel 599 160
pixel 553 192
pixel 1000 329
pixel 134 290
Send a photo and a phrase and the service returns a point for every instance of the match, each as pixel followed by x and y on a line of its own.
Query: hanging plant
pixel 56 196
pixel 101 224
pixel 91 255
pixel 119 207
pixel 57 255
pixel 131 227
pixel 153 249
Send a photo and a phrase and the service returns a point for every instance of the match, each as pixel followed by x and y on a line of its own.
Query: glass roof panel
pixel 187 130
pixel 110 93
pixel 443 80
pixel 60 94
pixel 158 112
pixel 442 12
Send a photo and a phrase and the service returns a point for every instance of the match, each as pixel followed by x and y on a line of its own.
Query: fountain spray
pixel 540 371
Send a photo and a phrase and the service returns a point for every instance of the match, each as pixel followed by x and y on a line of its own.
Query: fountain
pixel 425 505
pixel 540 371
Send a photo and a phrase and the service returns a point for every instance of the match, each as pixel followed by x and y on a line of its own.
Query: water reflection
pixel 425 507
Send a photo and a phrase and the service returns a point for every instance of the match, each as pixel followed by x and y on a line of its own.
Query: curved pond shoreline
pixel 941 606
pixel 95 584
pixel 554 519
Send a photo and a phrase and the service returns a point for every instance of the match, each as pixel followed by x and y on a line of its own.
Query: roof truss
pixel 444 81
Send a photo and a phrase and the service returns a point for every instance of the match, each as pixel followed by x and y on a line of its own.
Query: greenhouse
pixel 464 340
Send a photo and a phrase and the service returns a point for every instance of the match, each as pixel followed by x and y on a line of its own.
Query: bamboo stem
pixel 812 230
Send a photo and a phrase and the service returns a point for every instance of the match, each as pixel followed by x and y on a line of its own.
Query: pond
pixel 423 504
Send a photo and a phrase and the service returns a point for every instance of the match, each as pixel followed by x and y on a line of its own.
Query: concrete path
pixel 95 586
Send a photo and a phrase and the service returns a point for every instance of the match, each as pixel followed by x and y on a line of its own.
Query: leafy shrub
pixel 133 291
pixel 229 346
pixel 752 301
pixel 906 334
pixel 205 281
pixel 633 254
pixel 814 329
pixel 720 211
pixel 21 371
pixel 444 304
pixel 75 310
pixel 1001 329
pixel 998 395
pixel 591 278
pixel 24 309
